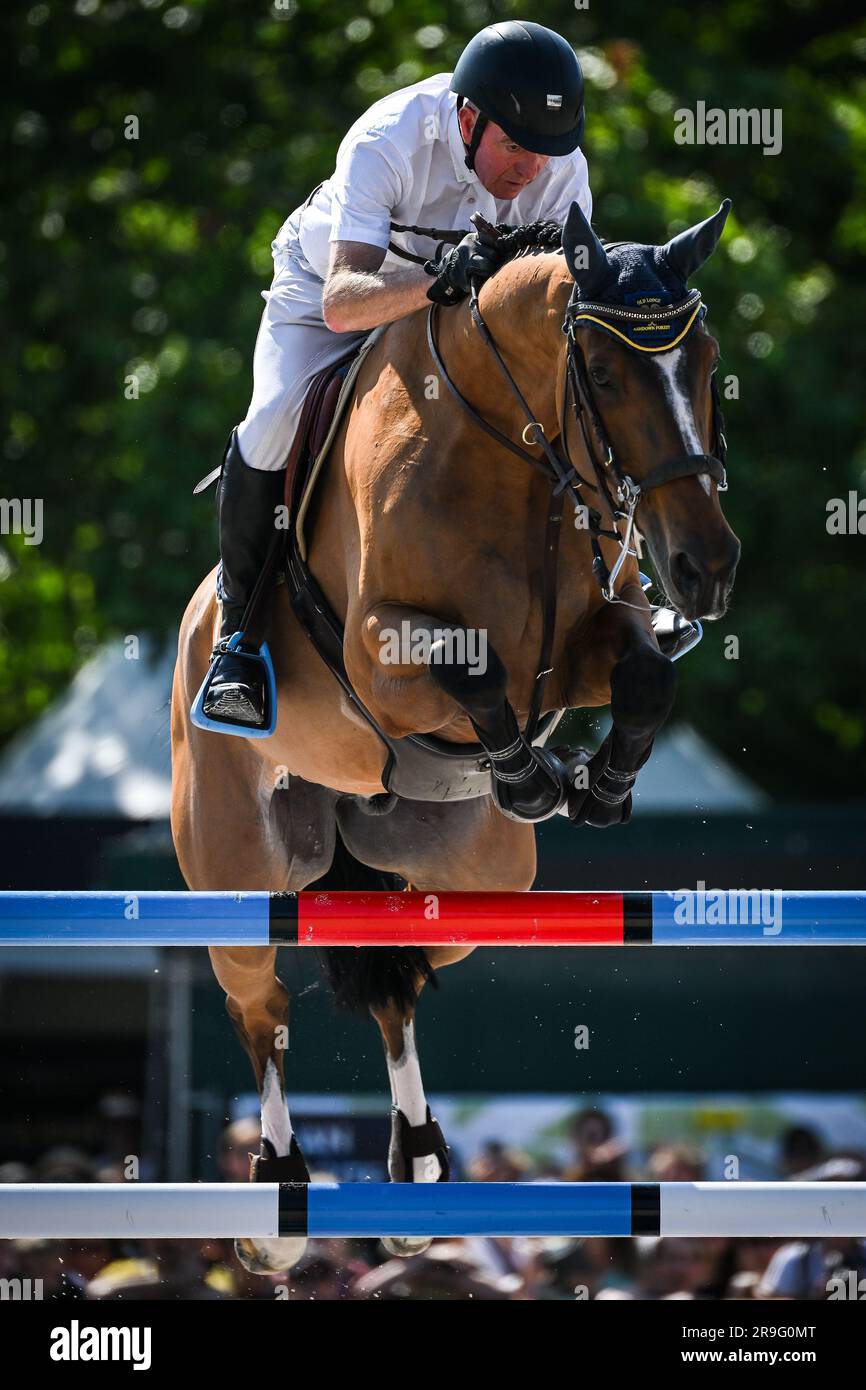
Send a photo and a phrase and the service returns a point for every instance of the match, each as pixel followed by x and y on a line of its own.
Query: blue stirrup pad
pixel 227 726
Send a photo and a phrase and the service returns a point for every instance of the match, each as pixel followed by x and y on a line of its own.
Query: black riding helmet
pixel 527 80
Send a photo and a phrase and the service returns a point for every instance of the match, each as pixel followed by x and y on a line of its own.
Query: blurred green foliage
pixel 146 256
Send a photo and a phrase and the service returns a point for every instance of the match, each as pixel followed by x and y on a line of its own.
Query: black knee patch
pixel 643 688
pixel 478 693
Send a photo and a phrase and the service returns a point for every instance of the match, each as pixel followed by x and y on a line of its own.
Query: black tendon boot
pixel 247 499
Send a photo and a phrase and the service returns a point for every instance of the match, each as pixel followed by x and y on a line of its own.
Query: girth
pixel 420 767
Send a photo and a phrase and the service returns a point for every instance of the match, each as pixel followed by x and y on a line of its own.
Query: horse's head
pixel 643 364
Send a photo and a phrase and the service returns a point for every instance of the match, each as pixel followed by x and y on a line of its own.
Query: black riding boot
pixel 247 499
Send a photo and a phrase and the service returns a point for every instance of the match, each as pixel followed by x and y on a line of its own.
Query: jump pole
pixel 734 917
pixel 84 1211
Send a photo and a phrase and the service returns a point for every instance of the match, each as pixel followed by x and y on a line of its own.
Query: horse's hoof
pixel 410 1142
pixel 269 1256
pixel 268 1166
pixel 404 1246
pixel 274 1254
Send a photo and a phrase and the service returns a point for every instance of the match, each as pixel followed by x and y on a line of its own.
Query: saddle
pixel 420 767
pixel 317 415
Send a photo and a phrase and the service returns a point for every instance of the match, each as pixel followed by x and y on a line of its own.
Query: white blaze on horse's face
pixel 672 368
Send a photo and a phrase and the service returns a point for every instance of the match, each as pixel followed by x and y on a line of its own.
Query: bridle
pixel 620 492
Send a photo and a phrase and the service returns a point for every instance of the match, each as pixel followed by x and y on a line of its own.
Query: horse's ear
pixel 688 251
pixel 584 253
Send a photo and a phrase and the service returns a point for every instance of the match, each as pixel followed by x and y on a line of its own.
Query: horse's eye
pixel 600 376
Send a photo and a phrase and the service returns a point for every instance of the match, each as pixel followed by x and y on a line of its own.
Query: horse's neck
pixel 522 310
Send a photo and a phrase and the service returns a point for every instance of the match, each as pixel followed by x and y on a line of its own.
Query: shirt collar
pixel 458 149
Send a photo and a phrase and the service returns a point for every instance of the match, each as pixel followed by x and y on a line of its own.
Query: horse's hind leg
pixel 258 1005
pixel 417 1152
pixel 281 844
pixel 464 845
pixel 236 827
pixel 257 1001
pixel 303 817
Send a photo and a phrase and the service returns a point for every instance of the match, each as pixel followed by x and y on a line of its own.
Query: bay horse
pixel 440 509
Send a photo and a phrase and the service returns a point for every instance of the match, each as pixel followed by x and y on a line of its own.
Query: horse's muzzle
pixel 700 587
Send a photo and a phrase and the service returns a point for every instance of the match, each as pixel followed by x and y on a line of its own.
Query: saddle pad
pixel 343 399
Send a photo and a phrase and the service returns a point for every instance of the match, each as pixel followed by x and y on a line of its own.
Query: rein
pixel 560 473
pixel 435 234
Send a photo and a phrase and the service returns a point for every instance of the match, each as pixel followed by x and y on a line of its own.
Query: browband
pixel 658 327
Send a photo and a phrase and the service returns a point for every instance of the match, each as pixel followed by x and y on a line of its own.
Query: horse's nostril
pixel 686 575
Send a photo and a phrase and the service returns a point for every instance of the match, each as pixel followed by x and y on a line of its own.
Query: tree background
pixel 148 256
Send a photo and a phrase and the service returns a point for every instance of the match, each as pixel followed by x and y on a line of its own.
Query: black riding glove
pixel 475 257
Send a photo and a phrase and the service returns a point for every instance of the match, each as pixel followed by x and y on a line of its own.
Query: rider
pixel 500 136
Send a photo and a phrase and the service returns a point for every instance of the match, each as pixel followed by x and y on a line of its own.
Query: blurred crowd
pixel 477 1268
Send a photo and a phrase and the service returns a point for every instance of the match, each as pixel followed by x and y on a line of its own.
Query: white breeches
pixel 293 344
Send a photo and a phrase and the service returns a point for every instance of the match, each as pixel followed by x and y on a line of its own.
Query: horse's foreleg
pixel 527 783
pixel 643 684
pixel 439 687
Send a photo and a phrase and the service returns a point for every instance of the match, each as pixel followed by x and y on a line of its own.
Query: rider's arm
pixel 358 296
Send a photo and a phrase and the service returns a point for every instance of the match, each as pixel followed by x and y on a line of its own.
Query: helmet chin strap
pixel 481 123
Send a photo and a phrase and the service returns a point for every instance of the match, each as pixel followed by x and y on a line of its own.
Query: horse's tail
pixel 364 977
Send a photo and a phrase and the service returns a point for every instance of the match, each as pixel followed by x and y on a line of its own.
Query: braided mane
pixel 544 236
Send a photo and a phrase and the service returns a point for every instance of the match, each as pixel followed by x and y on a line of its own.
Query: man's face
pixel 503 167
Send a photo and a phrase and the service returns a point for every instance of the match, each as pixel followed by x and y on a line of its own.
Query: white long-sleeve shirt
pixel 403 161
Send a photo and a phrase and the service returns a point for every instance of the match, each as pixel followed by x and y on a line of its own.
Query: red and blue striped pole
pixel 732 917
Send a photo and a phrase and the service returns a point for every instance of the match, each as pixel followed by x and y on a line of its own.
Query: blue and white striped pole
pixel 85 1211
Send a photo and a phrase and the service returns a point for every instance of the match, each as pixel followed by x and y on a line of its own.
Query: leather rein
pixel 620 492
